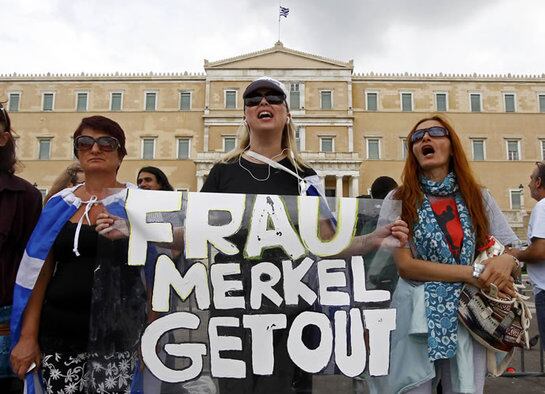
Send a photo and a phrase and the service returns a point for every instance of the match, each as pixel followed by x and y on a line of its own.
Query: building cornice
pixel 447 77
pixel 115 76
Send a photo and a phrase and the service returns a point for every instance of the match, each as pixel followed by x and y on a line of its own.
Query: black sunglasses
pixel 271 99
pixel 435 131
pixel 106 143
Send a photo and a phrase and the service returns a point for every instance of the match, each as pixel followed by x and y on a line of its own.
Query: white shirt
pixel 536 229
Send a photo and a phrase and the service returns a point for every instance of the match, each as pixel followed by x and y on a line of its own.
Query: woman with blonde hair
pixel 450 216
pixel 73 175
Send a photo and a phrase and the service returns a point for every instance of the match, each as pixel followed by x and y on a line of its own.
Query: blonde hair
pixel 67 178
pixel 288 143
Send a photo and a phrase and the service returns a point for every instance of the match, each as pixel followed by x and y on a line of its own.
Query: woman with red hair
pixel 450 216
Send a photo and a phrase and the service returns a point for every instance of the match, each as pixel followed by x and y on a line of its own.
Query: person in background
pixel 72 176
pixel 382 186
pixel 20 206
pixel 534 254
pixel 58 314
pixel 152 178
pixel 450 217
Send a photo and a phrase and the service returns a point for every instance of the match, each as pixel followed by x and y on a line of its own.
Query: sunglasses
pixel 435 131
pixel 274 99
pixel 106 143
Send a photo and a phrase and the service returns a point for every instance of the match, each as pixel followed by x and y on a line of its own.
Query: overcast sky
pixel 461 36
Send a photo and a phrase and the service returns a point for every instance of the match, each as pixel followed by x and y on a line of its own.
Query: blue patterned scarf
pixel 441 298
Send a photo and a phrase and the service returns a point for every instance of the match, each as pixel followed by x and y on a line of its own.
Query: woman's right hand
pixel 112 227
pixel 24 354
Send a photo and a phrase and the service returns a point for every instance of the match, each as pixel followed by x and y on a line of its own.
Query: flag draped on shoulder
pixel 284 11
pixel 58 210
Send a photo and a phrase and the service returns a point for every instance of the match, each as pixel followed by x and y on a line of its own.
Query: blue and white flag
pixel 284 11
pixel 58 210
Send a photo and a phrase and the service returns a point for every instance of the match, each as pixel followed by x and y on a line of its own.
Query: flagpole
pixel 279 20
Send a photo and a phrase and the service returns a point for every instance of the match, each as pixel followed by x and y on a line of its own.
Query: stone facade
pixel 351 126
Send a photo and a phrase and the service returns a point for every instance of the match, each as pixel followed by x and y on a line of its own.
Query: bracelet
pixel 478 270
pixel 516 269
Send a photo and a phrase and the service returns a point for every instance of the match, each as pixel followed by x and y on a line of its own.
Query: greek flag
pixel 58 210
pixel 284 11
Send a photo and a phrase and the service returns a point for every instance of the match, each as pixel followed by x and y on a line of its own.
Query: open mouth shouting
pixel 428 151
pixel 264 115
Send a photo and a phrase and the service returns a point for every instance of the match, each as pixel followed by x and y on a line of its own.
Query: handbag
pixel 499 324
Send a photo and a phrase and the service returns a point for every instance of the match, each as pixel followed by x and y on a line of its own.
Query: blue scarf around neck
pixel 441 298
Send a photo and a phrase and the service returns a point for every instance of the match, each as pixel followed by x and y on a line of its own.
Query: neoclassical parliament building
pixel 352 127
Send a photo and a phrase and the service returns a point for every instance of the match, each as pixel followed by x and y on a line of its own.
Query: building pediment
pixel 278 57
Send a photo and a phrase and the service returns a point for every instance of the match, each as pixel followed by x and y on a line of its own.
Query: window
pixel 371 101
pixel 229 143
pixel 515 198
pixel 295 96
pixel 81 102
pixel 327 144
pixel 406 102
pixel 441 102
pixel 151 101
pixel 116 101
pixel 542 149
pixel 230 99
pixel 148 148
pixel 298 138
pixel 184 148
pixel 475 102
pixel 326 100
pixel 477 146
pixel 44 148
pixel 404 148
pixel 373 148
pixel 48 101
pixel 14 99
pixel 513 149
pixel 509 102
pixel 185 101
pixel 541 99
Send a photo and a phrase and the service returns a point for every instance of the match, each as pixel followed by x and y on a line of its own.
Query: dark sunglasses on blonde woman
pixel 435 131
pixel 106 143
pixel 271 99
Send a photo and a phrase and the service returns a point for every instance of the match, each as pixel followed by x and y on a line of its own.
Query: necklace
pixel 268 167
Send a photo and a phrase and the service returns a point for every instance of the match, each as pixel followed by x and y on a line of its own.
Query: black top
pixel 64 325
pixel 93 302
pixel 234 177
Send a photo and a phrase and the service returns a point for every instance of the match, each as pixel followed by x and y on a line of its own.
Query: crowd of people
pixel 47 297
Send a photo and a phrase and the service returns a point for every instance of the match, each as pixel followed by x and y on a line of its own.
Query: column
pixel 339 187
pixel 350 138
pixel 302 139
pixel 205 139
pixel 200 182
pixel 355 186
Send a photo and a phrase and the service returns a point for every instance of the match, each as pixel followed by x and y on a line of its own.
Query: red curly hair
pixel 410 192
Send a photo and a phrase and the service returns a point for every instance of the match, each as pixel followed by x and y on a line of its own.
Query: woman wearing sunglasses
pixel 450 217
pixel 53 318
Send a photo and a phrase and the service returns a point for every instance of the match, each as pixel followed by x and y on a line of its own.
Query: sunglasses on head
pixel 271 99
pixel 435 131
pixel 105 143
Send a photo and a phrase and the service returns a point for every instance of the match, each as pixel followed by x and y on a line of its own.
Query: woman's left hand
pixel 498 272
